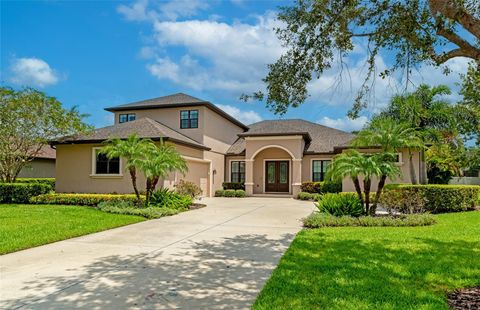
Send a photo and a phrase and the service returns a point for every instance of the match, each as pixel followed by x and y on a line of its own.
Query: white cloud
pixel 344 123
pixel 169 10
pixel 246 117
pixel 33 71
pixel 134 12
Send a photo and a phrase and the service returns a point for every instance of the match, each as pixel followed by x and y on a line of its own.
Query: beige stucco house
pixel 270 157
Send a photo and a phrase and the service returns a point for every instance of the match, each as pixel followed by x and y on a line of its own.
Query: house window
pixel 123 118
pixel 237 171
pixel 319 169
pixel 189 119
pixel 104 165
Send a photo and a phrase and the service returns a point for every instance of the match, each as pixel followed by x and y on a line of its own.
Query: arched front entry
pixel 272 171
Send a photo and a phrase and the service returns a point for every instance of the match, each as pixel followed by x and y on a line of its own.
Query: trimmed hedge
pixel 308 196
pixel 433 198
pixel 240 193
pixel 319 220
pixel 48 181
pixel 233 185
pixel 321 187
pixel 82 199
pixel 21 192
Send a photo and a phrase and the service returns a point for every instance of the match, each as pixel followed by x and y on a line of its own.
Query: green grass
pixel 26 226
pixel 377 267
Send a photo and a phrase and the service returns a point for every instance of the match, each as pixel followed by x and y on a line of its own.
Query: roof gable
pixel 172 101
pixel 318 138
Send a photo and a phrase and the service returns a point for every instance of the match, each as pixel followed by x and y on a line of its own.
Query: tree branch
pixel 451 10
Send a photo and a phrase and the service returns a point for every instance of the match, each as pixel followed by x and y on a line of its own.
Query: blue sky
pixel 96 54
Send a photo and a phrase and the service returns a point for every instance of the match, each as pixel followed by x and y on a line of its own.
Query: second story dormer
pixel 195 118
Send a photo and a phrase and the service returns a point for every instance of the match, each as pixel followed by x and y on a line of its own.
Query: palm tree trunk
pixel 413 176
pixel 358 189
pixel 423 168
pixel 381 184
pixel 148 191
pixel 366 189
pixel 133 176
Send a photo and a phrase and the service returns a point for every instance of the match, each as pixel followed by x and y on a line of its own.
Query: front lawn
pixel 377 267
pixel 25 226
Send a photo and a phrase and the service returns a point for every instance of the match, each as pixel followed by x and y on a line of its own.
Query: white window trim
pixel 106 176
pixel 311 165
pixel 230 169
pixel 400 159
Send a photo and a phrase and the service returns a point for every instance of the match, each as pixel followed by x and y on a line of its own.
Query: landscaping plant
pixel 132 150
pixel 188 188
pixel 340 204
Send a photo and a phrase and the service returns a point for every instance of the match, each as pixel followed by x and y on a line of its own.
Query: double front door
pixel 276 176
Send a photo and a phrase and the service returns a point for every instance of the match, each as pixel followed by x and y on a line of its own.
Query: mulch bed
pixel 465 298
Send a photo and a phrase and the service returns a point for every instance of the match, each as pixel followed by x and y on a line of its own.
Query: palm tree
pixel 348 164
pixel 387 169
pixel 354 164
pixel 158 162
pixel 391 136
pixel 132 150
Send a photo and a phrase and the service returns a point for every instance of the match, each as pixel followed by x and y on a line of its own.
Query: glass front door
pixel 276 176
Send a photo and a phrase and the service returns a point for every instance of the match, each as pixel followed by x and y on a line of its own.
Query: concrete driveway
pixel 216 257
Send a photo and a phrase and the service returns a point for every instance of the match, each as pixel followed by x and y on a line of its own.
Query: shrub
pixel 21 192
pixel 229 193
pixel 233 185
pixel 311 187
pixel 165 198
pixel 407 198
pixel 318 220
pixel 48 181
pixel 129 207
pixel 331 187
pixel 188 188
pixel 308 196
pixel 240 193
pixel 321 187
pixel 82 199
pixel 220 193
pixel 340 204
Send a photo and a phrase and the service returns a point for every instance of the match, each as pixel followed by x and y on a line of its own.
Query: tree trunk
pixel 358 189
pixel 133 175
pixel 381 184
pixel 366 189
pixel 413 175
pixel 147 190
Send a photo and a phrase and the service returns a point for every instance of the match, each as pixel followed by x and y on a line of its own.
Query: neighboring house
pixel 42 166
pixel 273 156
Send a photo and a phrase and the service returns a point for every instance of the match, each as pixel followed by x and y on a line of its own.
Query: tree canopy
pixel 28 119
pixel 316 33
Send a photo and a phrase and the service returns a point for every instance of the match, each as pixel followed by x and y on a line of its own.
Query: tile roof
pixel 143 127
pixel 319 138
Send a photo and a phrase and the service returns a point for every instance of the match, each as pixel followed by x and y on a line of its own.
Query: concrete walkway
pixel 216 257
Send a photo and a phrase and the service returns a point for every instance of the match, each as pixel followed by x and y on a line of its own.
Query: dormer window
pixel 188 119
pixel 123 118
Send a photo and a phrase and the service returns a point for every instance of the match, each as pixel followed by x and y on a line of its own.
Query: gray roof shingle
pixel 318 138
pixel 175 100
pixel 143 127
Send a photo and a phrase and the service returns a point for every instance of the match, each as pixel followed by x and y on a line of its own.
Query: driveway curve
pixel 215 257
